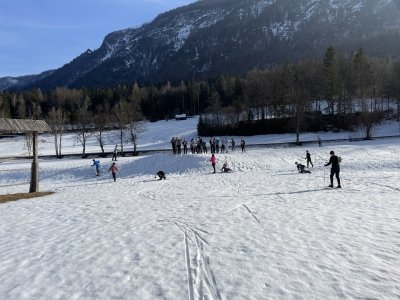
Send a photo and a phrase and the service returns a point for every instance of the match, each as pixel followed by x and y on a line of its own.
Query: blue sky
pixel 38 35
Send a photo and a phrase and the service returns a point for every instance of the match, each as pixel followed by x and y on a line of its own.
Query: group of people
pixel 224 169
pixel 179 145
pixel 113 168
pixel 221 146
pixel 199 145
pixel 334 162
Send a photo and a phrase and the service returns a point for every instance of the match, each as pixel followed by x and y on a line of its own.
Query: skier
pixel 222 145
pixel 335 169
pixel 204 149
pixel 173 144
pixel 200 145
pixel 233 143
pixel 212 145
pixel 243 145
pixel 213 160
pixel 225 168
pixel 96 163
pixel 178 142
pixel 192 146
pixel 319 141
pixel 185 146
pixel 113 169
pixel 226 143
pixel 301 168
pixel 115 153
pixel 161 175
pixel 308 158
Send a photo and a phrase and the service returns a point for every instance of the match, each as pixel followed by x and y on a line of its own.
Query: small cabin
pixel 181 117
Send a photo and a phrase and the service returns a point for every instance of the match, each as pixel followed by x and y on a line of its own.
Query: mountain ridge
pixel 211 38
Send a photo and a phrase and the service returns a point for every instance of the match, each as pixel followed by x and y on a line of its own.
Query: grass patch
pixel 16 197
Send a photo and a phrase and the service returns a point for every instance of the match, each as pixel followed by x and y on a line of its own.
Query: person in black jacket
pixel 161 175
pixel 308 158
pixel 243 145
pixel 335 169
pixel 301 168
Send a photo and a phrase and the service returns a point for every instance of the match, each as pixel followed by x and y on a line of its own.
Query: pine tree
pixel 362 73
pixel 331 73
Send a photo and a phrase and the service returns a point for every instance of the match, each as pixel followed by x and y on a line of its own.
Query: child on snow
pixel 225 168
pixel 96 163
pixel 213 160
pixel 113 169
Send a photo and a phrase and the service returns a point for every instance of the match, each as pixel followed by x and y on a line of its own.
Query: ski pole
pixel 324 177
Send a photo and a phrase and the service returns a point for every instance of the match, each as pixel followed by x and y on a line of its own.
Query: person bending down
pixel 225 168
pixel 302 168
pixel 161 175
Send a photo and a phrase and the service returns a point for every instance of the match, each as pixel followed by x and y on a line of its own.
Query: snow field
pixel 261 232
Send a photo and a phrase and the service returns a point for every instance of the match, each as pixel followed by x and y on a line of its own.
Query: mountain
pixel 22 81
pixel 213 37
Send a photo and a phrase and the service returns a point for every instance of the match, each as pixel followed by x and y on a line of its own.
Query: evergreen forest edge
pixel 335 92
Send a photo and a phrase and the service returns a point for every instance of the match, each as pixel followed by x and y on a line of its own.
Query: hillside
pixel 209 38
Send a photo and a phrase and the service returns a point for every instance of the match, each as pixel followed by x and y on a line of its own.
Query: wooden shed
pixel 33 127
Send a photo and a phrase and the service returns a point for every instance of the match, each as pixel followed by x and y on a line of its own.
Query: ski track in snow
pixel 261 232
pixel 201 280
pixel 252 214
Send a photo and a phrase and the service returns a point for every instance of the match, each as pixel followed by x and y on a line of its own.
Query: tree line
pixel 290 96
pixel 347 92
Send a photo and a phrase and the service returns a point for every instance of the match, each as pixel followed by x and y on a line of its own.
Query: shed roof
pixel 23 126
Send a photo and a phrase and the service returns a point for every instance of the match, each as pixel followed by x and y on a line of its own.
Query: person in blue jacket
pixel 96 163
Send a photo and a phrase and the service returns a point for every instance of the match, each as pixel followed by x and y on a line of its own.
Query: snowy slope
pixel 262 232
pixel 157 135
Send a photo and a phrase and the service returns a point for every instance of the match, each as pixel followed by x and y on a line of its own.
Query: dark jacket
pixel 301 168
pixel 334 161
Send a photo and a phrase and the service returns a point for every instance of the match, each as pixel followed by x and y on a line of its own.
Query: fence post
pixel 34 186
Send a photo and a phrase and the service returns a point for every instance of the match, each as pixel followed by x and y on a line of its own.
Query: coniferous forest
pixel 335 92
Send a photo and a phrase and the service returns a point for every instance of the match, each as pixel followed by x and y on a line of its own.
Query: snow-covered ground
pixel 157 135
pixel 261 232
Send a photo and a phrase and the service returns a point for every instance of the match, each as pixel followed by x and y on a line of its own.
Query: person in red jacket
pixel 213 160
pixel 113 169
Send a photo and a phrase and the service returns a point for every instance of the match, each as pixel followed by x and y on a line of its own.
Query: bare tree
pixel 120 113
pixel 256 92
pixel 85 123
pixel 134 116
pixel 182 91
pixel 101 121
pixel 394 85
pixel 369 120
pixel 57 120
pixel 299 92
pixel 215 107
pixel 195 97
